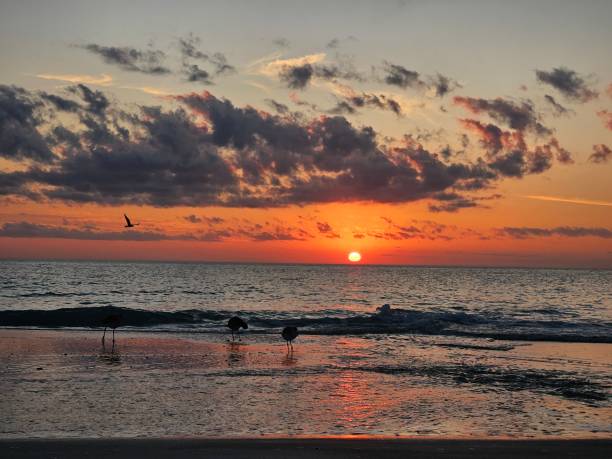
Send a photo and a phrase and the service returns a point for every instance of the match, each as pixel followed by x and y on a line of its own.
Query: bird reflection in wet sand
pixel 235 355
pixel 110 357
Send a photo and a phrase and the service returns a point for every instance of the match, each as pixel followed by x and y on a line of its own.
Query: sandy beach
pixel 63 384
pixel 305 448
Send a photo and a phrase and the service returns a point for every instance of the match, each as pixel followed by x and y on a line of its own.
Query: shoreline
pixel 320 447
pixel 62 384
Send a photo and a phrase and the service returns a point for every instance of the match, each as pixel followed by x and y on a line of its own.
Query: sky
pixel 429 133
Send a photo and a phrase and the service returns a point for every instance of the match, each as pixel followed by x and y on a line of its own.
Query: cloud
pixel 588 202
pixel 508 153
pixel 271 66
pixel 558 109
pixel 567 82
pixel 245 231
pixel 277 106
pixel 207 151
pixel 194 73
pixel 96 101
pixel 299 76
pixel 354 101
pixel 281 42
pixel 606 118
pixel 601 154
pixel 441 85
pixel 565 231
pixel 193 219
pixel 33 230
pixel 419 229
pixel 397 75
pixel 102 80
pixel 189 49
pixel 131 59
pixel 520 116
pixel 19 123
pixel 326 229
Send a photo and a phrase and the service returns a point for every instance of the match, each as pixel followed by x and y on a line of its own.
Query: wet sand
pixel 61 384
pixel 305 448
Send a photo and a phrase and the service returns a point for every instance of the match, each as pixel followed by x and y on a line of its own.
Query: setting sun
pixel 354 257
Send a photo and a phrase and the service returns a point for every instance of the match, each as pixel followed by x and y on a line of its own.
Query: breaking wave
pixel 385 320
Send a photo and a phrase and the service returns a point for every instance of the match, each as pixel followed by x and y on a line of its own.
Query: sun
pixel 354 257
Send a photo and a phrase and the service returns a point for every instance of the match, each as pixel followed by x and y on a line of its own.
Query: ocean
pixel 383 350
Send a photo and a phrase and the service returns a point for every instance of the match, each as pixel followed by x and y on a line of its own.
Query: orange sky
pixel 389 110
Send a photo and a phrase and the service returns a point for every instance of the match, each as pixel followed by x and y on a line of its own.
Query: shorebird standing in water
pixel 113 321
pixel 289 334
pixel 235 324
pixel 128 223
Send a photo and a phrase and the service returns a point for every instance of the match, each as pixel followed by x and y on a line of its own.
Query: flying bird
pixel 235 324
pixel 129 224
pixel 289 334
pixel 113 321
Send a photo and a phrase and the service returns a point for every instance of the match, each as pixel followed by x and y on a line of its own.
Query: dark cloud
pixel 417 229
pixel 326 229
pixel 451 202
pixel 566 231
pixel 96 101
pixel 520 116
pixel 299 76
pixel 19 123
pixel 211 221
pixel 558 109
pixel 33 230
pixel 193 219
pixel 336 42
pixel 606 118
pixel 567 82
pixel 222 67
pixel 210 152
pixel 194 73
pixel 351 103
pixel 131 59
pixel 397 75
pixel 246 231
pixel 60 103
pixel 277 106
pixel 189 49
pixel 507 152
pixel 442 85
pixel 601 154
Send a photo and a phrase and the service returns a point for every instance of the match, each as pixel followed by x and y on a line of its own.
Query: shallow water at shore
pixel 63 384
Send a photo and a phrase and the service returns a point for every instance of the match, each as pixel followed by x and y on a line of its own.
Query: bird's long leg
pixel 232 335
pixel 239 339
pixel 103 335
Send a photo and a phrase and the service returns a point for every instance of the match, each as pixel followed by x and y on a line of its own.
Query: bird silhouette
pixel 289 334
pixel 113 321
pixel 235 324
pixel 129 224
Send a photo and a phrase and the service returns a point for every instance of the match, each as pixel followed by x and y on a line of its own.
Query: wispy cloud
pixel 101 80
pixel 588 202
pixel 149 90
pixel 275 65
